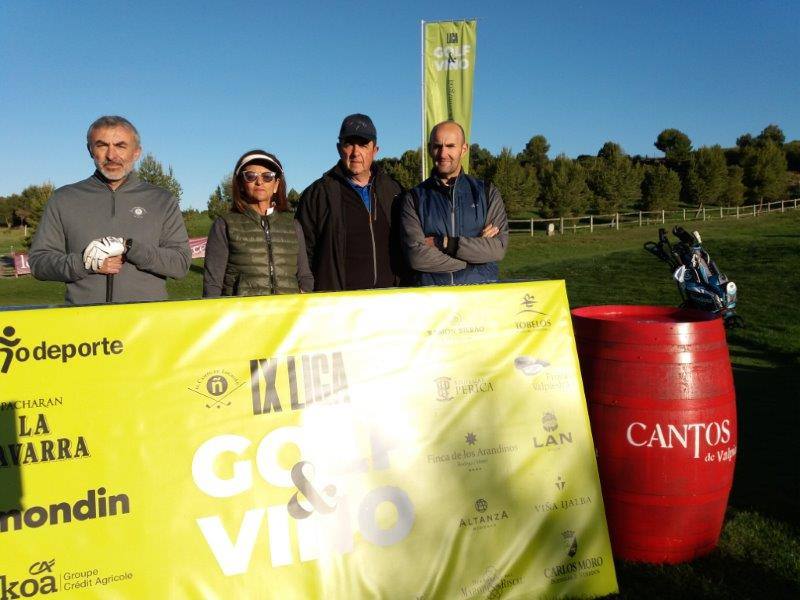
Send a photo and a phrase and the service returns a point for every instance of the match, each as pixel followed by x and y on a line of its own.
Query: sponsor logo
pixel 529 318
pixel 443 385
pixel 452 38
pixel 564 504
pixel 484 519
pixel 84 579
pixel 448 388
pixel 10 343
pixel 553 440
pixel 215 386
pixel 530 366
pixel 542 378
pixel 573 569
pixel 42 567
pixel 32 403
pixel 456 327
pixel 568 503
pixel 138 211
pixel 42 581
pixel 573 502
pixel 545 507
pixel 560 483
pixel 570 541
pixel 489 584
pixel 324 381
pixel 527 303
pixel 96 505
pixel 534 324
pixel 549 421
pixel 27 452
pixel 471 458
pixel 12 350
pixel 552 382
pixel 698 438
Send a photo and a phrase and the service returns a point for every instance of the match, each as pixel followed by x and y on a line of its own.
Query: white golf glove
pixel 99 250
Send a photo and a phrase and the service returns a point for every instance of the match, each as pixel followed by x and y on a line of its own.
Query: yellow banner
pixel 398 444
pixel 449 69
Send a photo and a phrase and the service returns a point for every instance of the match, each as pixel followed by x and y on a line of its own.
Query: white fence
pixel 645 218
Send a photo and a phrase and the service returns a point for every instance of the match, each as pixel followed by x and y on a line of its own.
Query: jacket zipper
pixel 372 238
pixel 268 238
pixel 453 219
pixel 110 278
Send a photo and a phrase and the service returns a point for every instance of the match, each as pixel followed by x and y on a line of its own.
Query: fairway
pixel 759 554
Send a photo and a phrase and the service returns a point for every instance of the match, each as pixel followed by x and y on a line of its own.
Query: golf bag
pixel 700 283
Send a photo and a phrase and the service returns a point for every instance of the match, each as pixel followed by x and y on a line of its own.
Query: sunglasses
pixel 252 176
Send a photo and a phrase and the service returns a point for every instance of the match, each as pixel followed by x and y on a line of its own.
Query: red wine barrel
pixel 662 407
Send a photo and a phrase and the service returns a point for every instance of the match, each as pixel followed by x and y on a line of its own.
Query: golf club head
pixel 684 236
pixel 680 274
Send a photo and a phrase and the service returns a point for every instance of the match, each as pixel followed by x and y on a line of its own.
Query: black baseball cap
pixel 358 125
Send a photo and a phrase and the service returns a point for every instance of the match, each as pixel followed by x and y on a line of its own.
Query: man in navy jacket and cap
pixel 346 216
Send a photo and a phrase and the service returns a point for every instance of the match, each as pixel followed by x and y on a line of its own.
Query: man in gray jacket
pixel 111 237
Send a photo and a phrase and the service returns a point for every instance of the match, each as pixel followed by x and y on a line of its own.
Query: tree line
pixel 759 168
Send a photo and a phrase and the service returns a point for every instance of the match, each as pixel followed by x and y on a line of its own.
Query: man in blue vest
pixel 454 226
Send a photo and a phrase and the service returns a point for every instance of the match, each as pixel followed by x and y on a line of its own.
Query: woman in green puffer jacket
pixel 257 248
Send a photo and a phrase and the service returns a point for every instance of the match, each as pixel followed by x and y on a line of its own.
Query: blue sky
pixel 205 81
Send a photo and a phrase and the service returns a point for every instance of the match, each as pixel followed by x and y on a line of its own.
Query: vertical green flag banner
pixel 449 69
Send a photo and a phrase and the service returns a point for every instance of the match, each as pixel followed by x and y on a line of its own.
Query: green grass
pixel 11 239
pixel 757 557
pixel 610 267
pixel 759 552
pixel 198 225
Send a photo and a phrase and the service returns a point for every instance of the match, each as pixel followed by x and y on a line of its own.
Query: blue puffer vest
pixel 458 211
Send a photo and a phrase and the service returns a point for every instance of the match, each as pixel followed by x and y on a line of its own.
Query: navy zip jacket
pixel 458 213
pixel 348 247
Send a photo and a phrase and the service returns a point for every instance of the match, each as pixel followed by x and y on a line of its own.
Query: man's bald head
pixel 446 145
pixel 448 124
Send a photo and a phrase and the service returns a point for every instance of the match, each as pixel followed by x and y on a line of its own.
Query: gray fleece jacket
pixel 81 212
